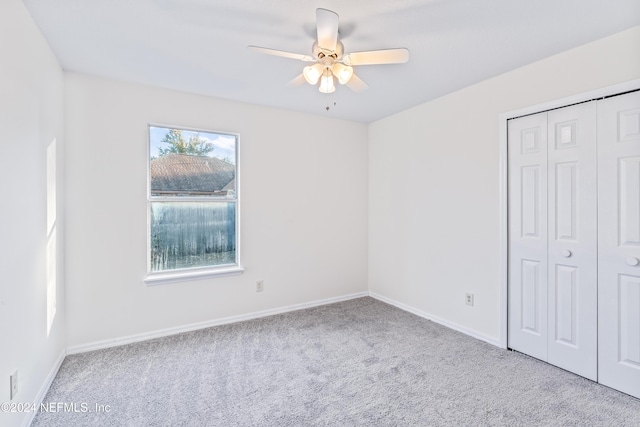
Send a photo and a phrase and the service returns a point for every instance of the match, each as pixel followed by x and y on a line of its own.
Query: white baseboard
pixel 114 342
pixel 437 319
pixel 44 389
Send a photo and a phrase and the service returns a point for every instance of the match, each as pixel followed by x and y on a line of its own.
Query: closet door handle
pixel 633 261
pixel 566 253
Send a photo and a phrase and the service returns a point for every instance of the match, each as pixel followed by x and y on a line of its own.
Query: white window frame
pixel 194 273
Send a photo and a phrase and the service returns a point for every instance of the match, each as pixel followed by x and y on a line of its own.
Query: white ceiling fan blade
pixel 356 84
pixel 327 23
pixel 282 53
pixel 297 81
pixel 371 57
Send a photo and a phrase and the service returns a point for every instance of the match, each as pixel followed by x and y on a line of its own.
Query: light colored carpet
pixel 354 363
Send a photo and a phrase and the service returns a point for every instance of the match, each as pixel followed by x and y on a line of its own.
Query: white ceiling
pixel 201 45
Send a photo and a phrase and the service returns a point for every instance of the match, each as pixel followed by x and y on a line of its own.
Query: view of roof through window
pixel 191 163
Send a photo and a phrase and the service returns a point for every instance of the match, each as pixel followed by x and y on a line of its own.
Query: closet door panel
pixel 619 242
pixel 527 152
pixel 572 239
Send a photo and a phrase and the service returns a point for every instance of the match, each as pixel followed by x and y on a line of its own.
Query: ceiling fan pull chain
pixel 334 104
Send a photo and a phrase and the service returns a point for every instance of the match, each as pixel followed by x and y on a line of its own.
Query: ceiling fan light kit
pixel 330 60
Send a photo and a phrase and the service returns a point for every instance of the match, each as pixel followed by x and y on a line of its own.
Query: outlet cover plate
pixel 468 299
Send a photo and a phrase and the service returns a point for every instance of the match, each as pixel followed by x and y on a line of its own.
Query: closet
pixel 574 239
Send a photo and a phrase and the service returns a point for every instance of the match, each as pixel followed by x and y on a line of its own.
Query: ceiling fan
pixel 330 59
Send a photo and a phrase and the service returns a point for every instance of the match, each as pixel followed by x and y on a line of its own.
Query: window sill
pixel 153 279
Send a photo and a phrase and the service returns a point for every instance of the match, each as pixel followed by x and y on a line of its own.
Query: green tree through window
pixel 177 144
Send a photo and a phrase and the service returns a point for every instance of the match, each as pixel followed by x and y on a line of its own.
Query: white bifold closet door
pixel 553 237
pixel 527 148
pixel 619 242
pixel 574 239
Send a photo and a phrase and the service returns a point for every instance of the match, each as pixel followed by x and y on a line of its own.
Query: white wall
pixel 31 118
pixel 434 183
pixel 304 209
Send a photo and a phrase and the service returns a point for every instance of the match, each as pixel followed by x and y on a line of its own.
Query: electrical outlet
pixel 259 286
pixel 468 299
pixel 13 381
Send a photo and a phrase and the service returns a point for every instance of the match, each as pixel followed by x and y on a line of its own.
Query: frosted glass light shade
pixel 312 73
pixel 342 72
pixel 326 83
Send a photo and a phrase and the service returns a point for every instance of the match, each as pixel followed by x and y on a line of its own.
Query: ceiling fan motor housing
pixel 320 53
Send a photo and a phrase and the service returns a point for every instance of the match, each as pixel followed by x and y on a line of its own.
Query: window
pixel 192 204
